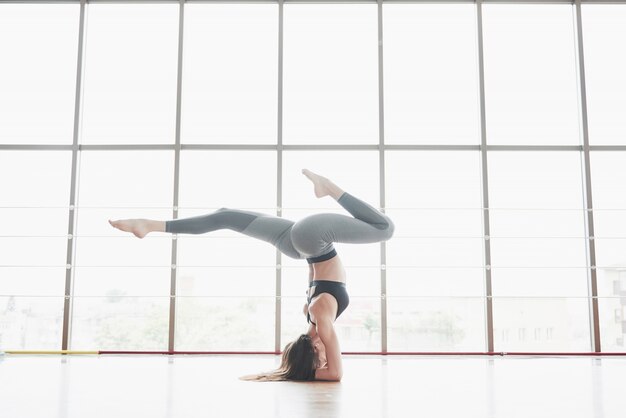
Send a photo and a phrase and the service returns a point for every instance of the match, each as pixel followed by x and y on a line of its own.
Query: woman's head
pixel 299 362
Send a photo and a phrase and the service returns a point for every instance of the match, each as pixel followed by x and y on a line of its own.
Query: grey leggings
pixel 311 237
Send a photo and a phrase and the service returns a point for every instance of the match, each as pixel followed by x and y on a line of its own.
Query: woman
pixel 316 354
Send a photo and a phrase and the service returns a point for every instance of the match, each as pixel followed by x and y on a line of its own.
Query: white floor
pixel 208 386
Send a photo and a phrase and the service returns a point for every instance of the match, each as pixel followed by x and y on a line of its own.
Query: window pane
pixel 115 269
pixel 225 324
pixel 330 78
pixel 537 221
pixel 32 234
pixel 434 199
pixel 38 46
pixel 530 74
pixel 436 324
pixel 543 189
pixel 425 281
pixel 430 97
pixel 609 202
pixel 608 176
pixel 130 74
pixel 541 324
pixel 30 323
pixel 117 322
pixel 230 97
pixel 226 280
pixel 210 180
pixel 604 30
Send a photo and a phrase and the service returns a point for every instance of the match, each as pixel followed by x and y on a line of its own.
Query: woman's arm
pixel 333 370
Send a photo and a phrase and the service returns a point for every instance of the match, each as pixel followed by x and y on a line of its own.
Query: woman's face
pixel 320 350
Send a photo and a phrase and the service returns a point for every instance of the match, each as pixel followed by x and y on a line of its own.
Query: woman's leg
pixel 271 229
pixel 315 234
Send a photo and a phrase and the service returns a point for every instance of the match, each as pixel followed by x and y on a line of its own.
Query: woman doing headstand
pixel 316 354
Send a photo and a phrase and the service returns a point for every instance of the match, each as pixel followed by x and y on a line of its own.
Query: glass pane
pixel 541 324
pixel 534 180
pixel 42 178
pixel 530 74
pixel 415 282
pixel 330 79
pixel 553 281
pixel 225 324
pixel 430 97
pixel 609 202
pixel 122 281
pixel 435 253
pixel 230 97
pixel 538 252
pixel 233 281
pixel 358 328
pixel 119 194
pixel 431 196
pixel 114 268
pixel 30 323
pixel 39 49
pixel 437 324
pixel 608 171
pixel 212 179
pixel 33 280
pixel 111 180
pixel 613 318
pixel 604 30
pixel 434 179
pixel 537 221
pixel 118 322
pixel 129 83
pixel 234 264
pixel 31 232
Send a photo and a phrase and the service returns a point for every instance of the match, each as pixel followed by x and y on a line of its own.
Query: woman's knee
pixel 389 228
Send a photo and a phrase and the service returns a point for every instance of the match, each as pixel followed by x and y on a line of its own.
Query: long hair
pixel 299 362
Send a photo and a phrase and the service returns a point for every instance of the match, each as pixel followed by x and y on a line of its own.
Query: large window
pixel 230 73
pixel 129 82
pixel 38 44
pixel 121 283
pixel 431 88
pixel 605 34
pixel 530 74
pixel 33 231
pixel 435 261
pixel 538 251
pixel 330 74
pixel 387 101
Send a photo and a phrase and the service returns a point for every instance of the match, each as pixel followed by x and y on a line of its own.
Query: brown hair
pixel 298 362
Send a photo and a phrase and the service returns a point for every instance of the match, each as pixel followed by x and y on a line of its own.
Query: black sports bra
pixel 337 289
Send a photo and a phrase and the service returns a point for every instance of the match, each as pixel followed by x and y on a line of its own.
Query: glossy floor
pixel 208 386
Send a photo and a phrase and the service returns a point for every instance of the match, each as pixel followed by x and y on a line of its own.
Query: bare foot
pixel 322 186
pixel 139 227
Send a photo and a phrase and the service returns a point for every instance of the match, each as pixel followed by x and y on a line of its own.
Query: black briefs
pixel 337 289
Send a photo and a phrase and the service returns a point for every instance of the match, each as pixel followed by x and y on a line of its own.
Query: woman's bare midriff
pixel 331 270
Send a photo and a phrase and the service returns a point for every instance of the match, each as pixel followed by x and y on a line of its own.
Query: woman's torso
pixel 325 303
